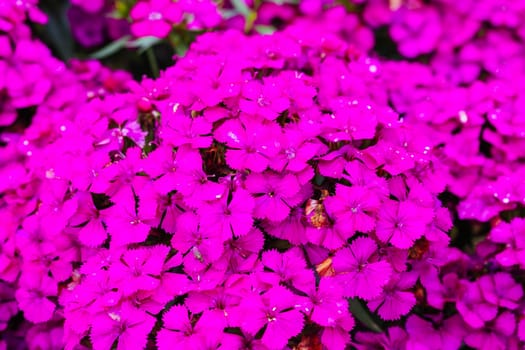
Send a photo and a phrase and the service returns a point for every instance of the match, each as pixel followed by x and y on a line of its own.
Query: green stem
pixel 152 62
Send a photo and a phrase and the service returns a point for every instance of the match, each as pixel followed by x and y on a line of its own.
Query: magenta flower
pixel 128 325
pixel 219 303
pixel 401 223
pixel 395 300
pixel 326 305
pixel 296 150
pixel 358 272
pixel 439 334
pixel 205 245
pixel 353 208
pixel 499 335
pixel 180 129
pixel 118 176
pixel 55 209
pixel 229 216
pixel 291 268
pixel 350 120
pixel 263 99
pixel 416 31
pixel 392 338
pixel 154 17
pixel 241 253
pixel 511 235
pixel 139 268
pixel 32 296
pixel 8 304
pixel 276 310
pixel 191 180
pixel 180 330
pixel 292 228
pixel 474 310
pixel 91 231
pixel 500 289
pixel 336 335
pixel 204 13
pixel 274 194
pixel 124 224
pixel 250 145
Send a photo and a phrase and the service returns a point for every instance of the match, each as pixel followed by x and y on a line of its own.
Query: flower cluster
pixel 296 190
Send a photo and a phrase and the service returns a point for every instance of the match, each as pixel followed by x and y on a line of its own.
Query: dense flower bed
pixel 308 175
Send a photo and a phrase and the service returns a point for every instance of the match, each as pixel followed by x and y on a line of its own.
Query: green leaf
pixel 361 313
pixel 228 13
pixel 111 48
pixel 319 179
pixel 144 43
pixel 282 2
pixel 264 29
pixel 241 7
pixel 57 29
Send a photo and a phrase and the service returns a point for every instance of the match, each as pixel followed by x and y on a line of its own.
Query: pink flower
pixel 32 296
pixel 275 309
pixel 191 180
pixel 154 18
pixel 263 99
pixel 497 336
pixel 357 271
pixel 511 235
pixel 241 253
pixel 336 335
pixel 8 305
pixel 395 301
pixel 353 208
pixel 128 325
pixel 401 223
pixel 291 268
pixel 229 216
pixel 474 310
pixel 350 120
pixel 274 194
pixel 292 228
pixel 501 289
pixel 87 217
pixel 251 145
pixel 139 269
pixel 180 129
pixel 205 245
pixel 124 224
pixel 435 335
pixel 180 331
pixel 118 176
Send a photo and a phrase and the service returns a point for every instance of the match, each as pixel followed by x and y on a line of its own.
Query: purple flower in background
pixel 474 310
pixel 32 297
pixel 498 335
pixel 500 289
pixel 435 334
pixel 416 31
pixel 87 26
